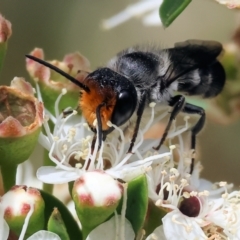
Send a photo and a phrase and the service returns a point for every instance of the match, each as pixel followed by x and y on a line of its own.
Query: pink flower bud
pixel 96 196
pixel 21 117
pixel 20 112
pixel 18 203
pixel 51 83
pixel 74 64
pixel 5 29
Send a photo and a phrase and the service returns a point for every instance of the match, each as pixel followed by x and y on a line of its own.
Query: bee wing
pixel 195 67
pixel 203 49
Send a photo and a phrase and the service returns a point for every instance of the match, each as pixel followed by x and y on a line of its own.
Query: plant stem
pixel 8 173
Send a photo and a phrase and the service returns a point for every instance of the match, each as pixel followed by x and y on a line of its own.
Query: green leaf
pixel 56 225
pixel 154 217
pixel 137 202
pixel 71 225
pixel 170 9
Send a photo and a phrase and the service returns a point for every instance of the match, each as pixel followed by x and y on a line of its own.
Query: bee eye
pixel 124 108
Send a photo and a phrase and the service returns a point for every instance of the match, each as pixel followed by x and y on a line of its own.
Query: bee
pixel 136 77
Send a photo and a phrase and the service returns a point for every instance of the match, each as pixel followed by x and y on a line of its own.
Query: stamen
pixel 94 155
pixel 48 131
pixel 120 154
pixel 100 158
pixel 148 125
pixel 58 164
pixel 56 105
pixel 26 221
pixel 39 95
pixel 116 224
pixel 174 133
pixel 123 212
pixel 88 157
pixel 78 165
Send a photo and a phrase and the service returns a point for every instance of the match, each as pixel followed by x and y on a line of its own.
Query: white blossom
pixel 147 10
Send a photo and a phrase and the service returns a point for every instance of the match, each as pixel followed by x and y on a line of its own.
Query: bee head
pixel 115 94
pixel 105 93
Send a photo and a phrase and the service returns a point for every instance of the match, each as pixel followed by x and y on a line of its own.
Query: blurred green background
pixel 64 26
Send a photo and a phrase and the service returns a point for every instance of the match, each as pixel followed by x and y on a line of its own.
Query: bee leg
pixel 192 109
pixel 140 110
pixel 99 123
pixel 177 102
pixel 93 142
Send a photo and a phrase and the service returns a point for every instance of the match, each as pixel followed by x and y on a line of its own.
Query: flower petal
pixel 108 230
pixel 52 175
pixel 11 127
pixel 158 233
pixel 4 229
pixel 21 85
pixel 178 226
pixel 78 61
pixel 40 235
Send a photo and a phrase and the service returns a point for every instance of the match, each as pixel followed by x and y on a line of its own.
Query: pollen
pixel 64 91
pixel 186 195
pixel 172 147
pixel 64 148
pixel 55 138
pixel 174 171
pixel 222 184
pixel 78 165
pixel 152 104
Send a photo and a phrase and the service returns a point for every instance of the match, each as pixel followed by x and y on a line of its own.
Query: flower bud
pixel 5 33
pixel 230 3
pixel 21 117
pixel 52 83
pixel 5 29
pixel 96 196
pixel 23 205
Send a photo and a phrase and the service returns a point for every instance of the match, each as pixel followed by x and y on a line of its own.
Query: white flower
pixel 195 210
pixel 193 215
pixel 230 3
pixel 4 228
pixel 158 234
pixel 40 235
pixel 70 149
pixel 112 228
pixel 147 9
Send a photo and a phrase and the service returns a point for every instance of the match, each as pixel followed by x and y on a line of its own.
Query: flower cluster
pixel 147 9
pixel 190 206
pixel 145 194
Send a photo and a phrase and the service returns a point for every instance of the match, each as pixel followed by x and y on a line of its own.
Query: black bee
pixel 135 78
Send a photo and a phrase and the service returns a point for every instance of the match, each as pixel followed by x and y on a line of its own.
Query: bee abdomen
pixel 205 81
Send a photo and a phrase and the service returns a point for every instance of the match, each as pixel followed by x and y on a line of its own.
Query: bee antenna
pixel 56 69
